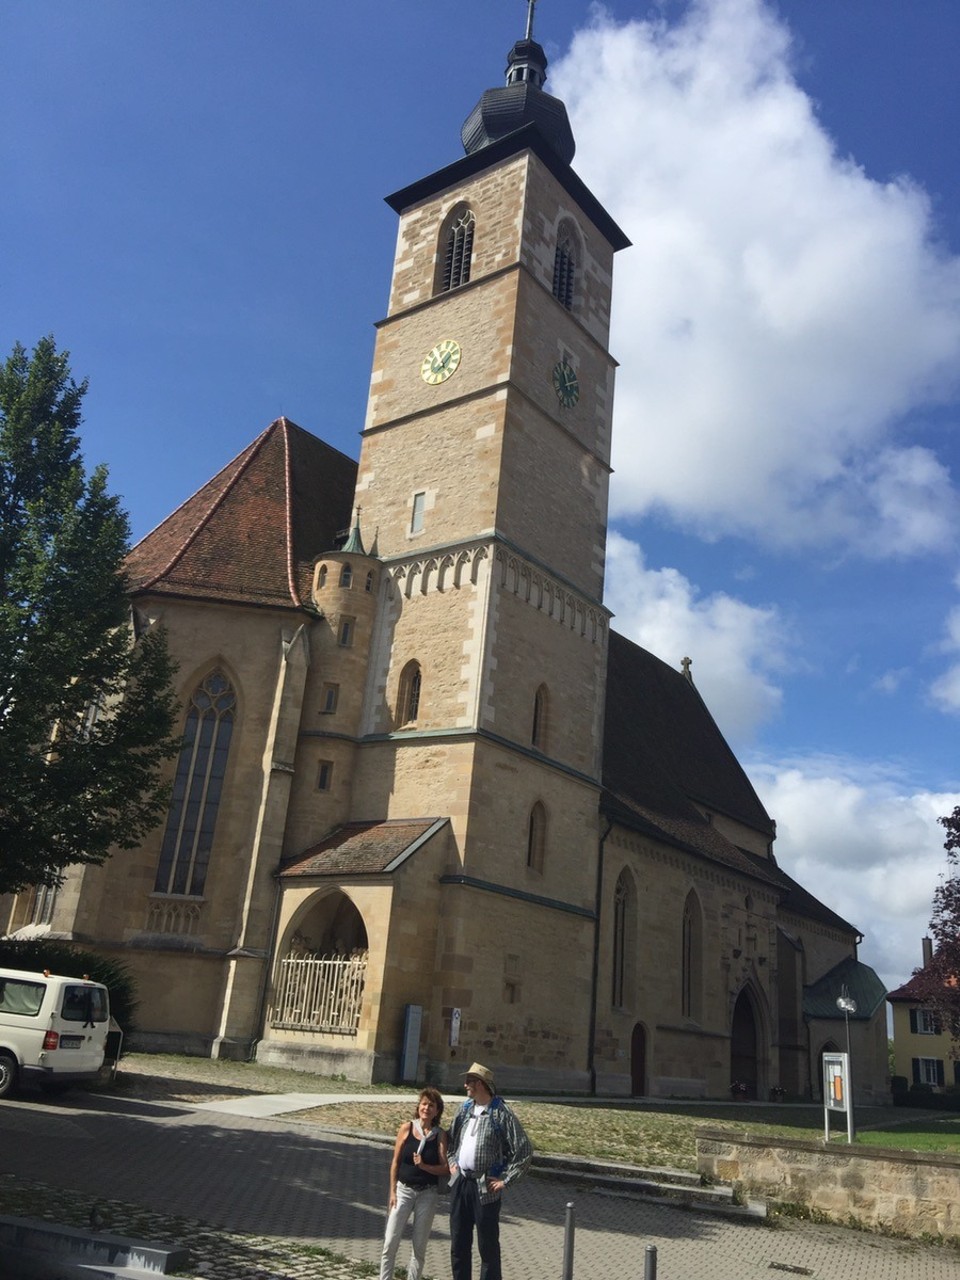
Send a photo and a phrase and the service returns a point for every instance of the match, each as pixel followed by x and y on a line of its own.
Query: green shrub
pixel 37 954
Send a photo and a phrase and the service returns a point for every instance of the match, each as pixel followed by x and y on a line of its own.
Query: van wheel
pixel 8 1074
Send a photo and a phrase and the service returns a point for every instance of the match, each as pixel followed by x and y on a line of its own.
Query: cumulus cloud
pixel 863 842
pixel 737 648
pixel 780 313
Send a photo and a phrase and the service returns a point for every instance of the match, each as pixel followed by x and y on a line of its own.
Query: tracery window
pixel 624 941
pixel 458 250
pixel 538 732
pixel 565 265
pixel 408 696
pixel 536 837
pixel 197 788
pixel 691 963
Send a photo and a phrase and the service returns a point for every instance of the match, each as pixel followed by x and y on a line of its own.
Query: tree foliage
pixel 86 714
pixel 938 983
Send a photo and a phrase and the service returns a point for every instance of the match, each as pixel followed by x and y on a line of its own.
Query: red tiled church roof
pixel 251 534
pixel 363 848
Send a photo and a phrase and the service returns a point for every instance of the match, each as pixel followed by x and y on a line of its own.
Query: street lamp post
pixel 847 1003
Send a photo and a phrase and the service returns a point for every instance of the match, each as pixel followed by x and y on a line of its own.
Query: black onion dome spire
pixel 520 102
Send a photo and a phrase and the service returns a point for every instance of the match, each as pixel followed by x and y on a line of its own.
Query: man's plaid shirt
pixel 503 1148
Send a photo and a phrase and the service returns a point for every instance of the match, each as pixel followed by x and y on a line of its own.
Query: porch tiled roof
pixel 363 848
pixel 251 534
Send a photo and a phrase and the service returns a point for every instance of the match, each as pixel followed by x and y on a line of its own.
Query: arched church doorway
pixel 638 1062
pixel 320 976
pixel 332 926
pixel 743 1047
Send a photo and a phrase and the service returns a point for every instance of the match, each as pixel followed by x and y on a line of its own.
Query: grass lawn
pixel 653 1134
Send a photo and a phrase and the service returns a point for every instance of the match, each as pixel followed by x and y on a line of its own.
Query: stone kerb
pixel 909 1192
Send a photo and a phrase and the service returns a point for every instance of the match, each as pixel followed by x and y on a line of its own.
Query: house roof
pixel 909 992
pixel 862 983
pixel 363 848
pixel 251 534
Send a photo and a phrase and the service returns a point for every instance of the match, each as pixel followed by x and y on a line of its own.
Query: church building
pixel 429 807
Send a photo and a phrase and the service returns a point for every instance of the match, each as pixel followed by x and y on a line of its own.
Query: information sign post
pixel 837 1094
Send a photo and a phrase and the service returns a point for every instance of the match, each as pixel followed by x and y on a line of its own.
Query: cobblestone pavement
pixel 265 1197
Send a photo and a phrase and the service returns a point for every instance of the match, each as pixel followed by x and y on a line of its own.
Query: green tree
pixel 938 983
pixel 86 713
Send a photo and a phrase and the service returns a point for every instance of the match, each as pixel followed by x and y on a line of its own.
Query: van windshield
pixel 24 998
pixel 84 1004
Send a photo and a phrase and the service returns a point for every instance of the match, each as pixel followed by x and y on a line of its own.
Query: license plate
pixel 71 1042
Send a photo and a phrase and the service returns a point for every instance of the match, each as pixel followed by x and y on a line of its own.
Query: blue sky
pixel 194 208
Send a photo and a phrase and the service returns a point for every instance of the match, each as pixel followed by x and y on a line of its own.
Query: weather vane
pixel 531 5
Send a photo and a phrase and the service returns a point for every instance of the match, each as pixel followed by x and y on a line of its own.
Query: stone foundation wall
pixel 904 1191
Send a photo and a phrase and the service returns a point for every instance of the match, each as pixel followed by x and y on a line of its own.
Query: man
pixel 488 1150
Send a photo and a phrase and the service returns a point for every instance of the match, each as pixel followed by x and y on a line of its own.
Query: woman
pixel 419 1161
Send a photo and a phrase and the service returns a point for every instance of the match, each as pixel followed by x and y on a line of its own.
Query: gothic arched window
pixel 408 696
pixel 346 575
pixel 536 837
pixel 565 263
pixel 691 963
pixel 197 788
pixel 624 941
pixel 457 249
pixel 538 733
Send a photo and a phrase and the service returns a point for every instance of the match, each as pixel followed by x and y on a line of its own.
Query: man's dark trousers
pixel 466 1212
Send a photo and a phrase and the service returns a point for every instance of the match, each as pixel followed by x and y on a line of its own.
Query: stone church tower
pixel 429 809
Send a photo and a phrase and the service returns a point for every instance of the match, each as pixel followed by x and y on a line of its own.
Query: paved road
pixel 276 1177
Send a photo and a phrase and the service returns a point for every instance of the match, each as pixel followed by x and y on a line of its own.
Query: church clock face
pixel 441 363
pixel 566 384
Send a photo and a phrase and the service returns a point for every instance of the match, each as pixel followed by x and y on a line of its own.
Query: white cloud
pixel 864 843
pixel 780 313
pixel 945 690
pixel 736 648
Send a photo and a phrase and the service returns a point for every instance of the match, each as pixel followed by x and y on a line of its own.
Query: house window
pixel 324 775
pixel 565 265
pixel 346 576
pixel 928 1071
pixel 197 788
pixel 538 732
pixel 924 1022
pixel 369 583
pixel 416 517
pixel 345 633
pixel 329 696
pixel 408 695
pixel 536 837
pixel 321 577
pixel 458 250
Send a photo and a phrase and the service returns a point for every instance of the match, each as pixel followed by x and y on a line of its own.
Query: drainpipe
pixel 595 976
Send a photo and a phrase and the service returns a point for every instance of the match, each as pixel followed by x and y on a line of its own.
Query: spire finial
pixel 531 6
pixel 687 663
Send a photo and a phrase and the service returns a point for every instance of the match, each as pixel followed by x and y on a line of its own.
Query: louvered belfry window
pixel 456 265
pixel 564 272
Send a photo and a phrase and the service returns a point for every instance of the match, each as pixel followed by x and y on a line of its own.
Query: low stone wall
pixel 908 1192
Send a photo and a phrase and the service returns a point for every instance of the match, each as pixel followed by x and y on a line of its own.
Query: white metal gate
pixel 319 993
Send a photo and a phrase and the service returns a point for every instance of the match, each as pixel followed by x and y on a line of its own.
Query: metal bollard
pixel 568 1244
pixel 650 1262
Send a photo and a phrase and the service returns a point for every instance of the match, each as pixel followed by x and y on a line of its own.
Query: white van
pixel 53 1030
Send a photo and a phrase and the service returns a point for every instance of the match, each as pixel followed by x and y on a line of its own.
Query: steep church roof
pixel 662 748
pixel 251 534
